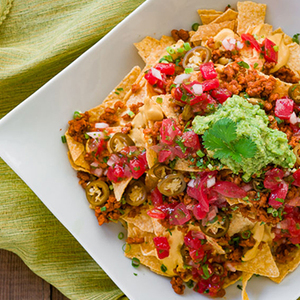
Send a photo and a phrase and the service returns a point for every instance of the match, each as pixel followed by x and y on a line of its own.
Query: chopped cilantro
pixel 77 114
pixel 117 93
pixel 135 262
pixel 120 89
pixel 103 208
pixel 200 153
pixel 255 65
pixel 239 287
pixel 276 48
pixel 243 64
pixel 222 138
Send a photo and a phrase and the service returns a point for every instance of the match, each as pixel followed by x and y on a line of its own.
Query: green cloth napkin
pixel 38 38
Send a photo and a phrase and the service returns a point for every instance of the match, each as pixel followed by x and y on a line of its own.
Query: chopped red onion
pixel 197 89
pixel 179 78
pixel 96 135
pixel 156 73
pixel 113 160
pixel 211 182
pixel 293 118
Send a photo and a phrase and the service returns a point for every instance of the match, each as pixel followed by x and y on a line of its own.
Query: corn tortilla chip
pixel 255 266
pixel 228 15
pixel 208 12
pixel 294 60
pixel 76 167
pixel 288 267
pixel 120 187
pixel 146 46
pixel 167 105
pixel 207 19
pixel 245 278
pixel 239 224
pixel 184 165
pixel 287 39
pixel 142 221
pixel 206 31
pixel 118 93
pixel 250 14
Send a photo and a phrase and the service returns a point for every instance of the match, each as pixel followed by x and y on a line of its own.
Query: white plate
pixel 30 141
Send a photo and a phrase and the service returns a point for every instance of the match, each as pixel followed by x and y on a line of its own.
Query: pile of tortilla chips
pixel 134 89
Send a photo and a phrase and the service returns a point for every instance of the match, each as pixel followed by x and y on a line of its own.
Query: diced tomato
pixel 180 215
pixel 279 193
pixel 284 108
pixel 208 70
pixel 137 167
pixel 197 255
pixel 210 84
pixel 161 243
pixel 192 242
pixel 168 69
pixel 229 189
pixel 156 213
pixel 101 147
pixel 250 41
pixel 269 53
pixel 115 173
pixel 162 246
pixel 273 178
pixel 169 131
pixel 221 94
pixel 198 212
pixel 150 78
pixel 191 140
pixel 163 155
pixel 156 197
pixel 296 177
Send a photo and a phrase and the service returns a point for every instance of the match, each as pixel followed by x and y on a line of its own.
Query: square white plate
pixel 30 140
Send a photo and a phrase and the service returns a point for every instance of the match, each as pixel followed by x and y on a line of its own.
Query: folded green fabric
pixel 39 38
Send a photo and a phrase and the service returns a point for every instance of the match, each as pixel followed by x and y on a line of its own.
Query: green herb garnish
pixel 222 139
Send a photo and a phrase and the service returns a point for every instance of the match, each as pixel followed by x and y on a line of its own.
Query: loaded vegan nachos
pixel 197 154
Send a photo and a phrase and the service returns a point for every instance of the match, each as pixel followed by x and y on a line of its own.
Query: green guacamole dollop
pixel 252 121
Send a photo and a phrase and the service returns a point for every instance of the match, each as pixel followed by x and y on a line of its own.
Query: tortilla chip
pixel 146 46
pixel 228 282
pixel 167 105
pixel 208 12
pixel 150 49
pixel 250 14
pixel 281 87
pixel 245 278
pixel 151 156
pixel 77 153
pixel 287 39
pixel 207 19
pixel 228 15
pixel 206 31
pixel 134 250
pixel 142 221
pixel 118 93
pixel 120 187
pixel 288 267
pixel 76 167
pixel 294 60
pixel 213 242
pixel 267 268
pixel 235 201
pixel 239 224
pixel 184 165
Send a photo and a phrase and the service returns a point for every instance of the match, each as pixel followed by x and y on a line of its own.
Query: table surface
pixel 18 282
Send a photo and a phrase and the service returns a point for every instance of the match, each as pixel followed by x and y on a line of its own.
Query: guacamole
pixel 251 122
